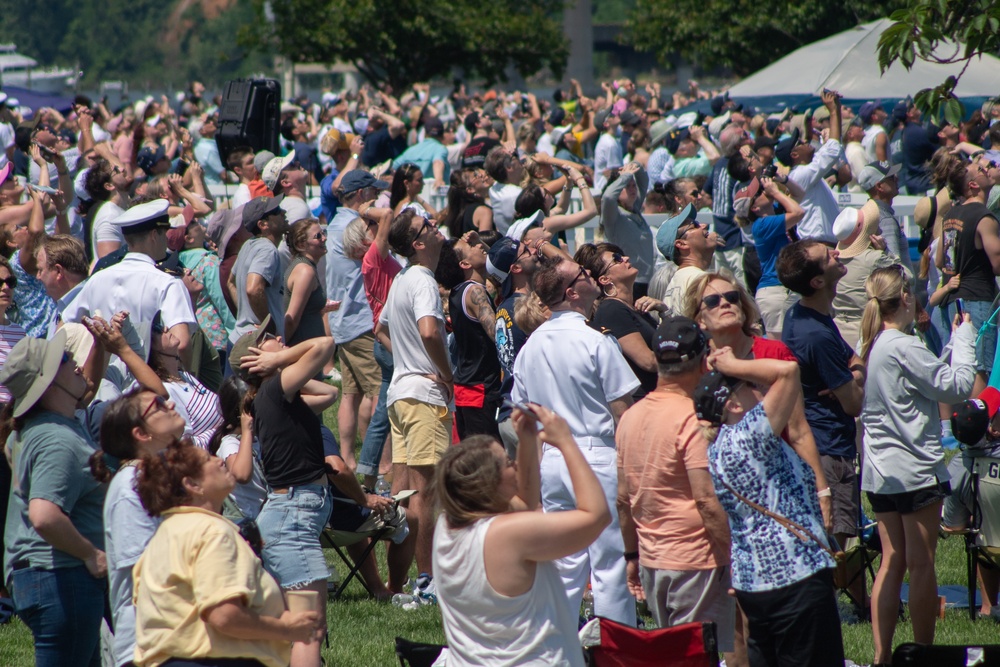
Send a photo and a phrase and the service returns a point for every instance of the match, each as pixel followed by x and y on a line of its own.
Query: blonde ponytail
pixel 885 288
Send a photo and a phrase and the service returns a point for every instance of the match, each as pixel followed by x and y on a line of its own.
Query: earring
pixel 610 295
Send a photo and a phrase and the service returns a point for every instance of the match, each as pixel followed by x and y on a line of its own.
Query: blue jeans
pixel 986 344
pixel 378 428
pixel 290 525
pixel 63 608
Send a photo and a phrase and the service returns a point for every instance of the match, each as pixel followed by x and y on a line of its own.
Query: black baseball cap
pixel 678 339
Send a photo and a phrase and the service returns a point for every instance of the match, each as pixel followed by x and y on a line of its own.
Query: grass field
pixel 362 631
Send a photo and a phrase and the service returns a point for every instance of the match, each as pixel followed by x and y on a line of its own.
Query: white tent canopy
pixel 848 62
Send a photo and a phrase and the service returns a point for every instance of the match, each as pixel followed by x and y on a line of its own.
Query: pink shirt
pixel 378 275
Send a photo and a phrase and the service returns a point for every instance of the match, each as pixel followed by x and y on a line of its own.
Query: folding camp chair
pixel 860 554
pixel 611 644
pixel 415 654
pixel 339 540
pixel 982 540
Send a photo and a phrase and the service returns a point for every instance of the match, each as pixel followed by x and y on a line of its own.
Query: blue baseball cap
pixel 358 179
pixel 666 235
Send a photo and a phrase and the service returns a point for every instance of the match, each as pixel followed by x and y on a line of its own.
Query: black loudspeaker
pixel 249 116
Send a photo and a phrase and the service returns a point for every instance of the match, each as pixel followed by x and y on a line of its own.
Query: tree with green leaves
pixel 409 41
pixel 741 36
pixel 941 31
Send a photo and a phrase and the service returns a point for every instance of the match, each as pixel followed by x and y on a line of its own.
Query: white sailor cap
pixel 143 217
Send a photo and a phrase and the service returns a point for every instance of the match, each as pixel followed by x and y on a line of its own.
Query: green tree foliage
pixel 408 41
pixel 134 40
pixel 744 36
pixel 941 31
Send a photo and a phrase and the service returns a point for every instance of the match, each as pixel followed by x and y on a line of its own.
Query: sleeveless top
pixel 486 628
pixel 468 223
pixel 963 258
pixel 311 322
pixel 477 361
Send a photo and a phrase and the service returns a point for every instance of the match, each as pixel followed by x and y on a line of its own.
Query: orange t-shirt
pixel 658 441
pixel 258 189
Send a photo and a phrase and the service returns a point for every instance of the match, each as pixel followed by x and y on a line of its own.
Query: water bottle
pixel 332 582
pixel 383 488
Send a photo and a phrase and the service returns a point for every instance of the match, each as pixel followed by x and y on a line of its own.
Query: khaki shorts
pixel 360 374
pixel 421 432
pixel 675 597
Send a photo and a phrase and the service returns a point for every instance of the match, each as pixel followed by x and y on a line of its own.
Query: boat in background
pixel 19 70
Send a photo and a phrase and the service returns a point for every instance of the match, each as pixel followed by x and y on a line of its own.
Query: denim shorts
pixel 290 525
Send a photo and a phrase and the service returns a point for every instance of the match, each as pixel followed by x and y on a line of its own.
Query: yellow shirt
pixel 196 560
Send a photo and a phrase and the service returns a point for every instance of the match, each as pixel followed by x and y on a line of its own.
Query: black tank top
pixel 468 222
pixel 962 257
pixel 476 353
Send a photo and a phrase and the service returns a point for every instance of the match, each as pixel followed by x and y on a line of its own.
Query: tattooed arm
pixel 477 303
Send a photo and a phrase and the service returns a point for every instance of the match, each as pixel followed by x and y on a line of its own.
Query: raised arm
pixel 296 365
pixel 782 377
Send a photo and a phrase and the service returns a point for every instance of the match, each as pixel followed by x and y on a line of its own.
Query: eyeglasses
pixel 266 337
pixel 9 281
pixel 319 236
pixel 158 403
pixel 695 193
pixel 712 301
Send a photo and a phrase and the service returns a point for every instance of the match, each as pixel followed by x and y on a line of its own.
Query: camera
pixel 770 171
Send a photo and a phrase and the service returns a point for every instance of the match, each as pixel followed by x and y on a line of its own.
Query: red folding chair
pixel 611 644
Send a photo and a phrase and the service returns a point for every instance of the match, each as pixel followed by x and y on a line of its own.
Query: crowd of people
pixel 666 414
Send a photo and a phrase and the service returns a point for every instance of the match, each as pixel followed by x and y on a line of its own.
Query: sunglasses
pixel 158 402
pixel 319 236
pixel 712 301
pixel 616 258
pixel 582 273
pixel 694 225
pixel 427 225
pixel 9 281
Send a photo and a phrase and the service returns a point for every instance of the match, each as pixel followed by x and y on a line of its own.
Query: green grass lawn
pixel 362 631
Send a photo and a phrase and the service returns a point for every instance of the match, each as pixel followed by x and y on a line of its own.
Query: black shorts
pixel 909 502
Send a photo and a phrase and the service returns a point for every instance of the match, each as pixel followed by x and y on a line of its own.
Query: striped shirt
pixel 198 405
pixel 9 335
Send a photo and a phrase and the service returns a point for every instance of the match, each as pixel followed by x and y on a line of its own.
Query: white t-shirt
pixel 413 295
pixel 871 134
pixel 241 196
pixel 502 199
pixel 295 209
pixel 6 141
pixel 103 230
pixel 678 286
pixel 607 155
pixel 249 497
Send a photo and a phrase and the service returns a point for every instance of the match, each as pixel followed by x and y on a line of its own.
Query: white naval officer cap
pixel 144 217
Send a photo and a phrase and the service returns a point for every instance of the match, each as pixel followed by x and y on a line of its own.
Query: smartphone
pixel 507 403
pixel 960 307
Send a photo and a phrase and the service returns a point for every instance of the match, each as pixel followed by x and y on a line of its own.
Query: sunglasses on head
pixel 712 301
pixel 9 281
pixel 158 402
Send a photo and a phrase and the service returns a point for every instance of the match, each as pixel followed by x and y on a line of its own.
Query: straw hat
pixel 859 241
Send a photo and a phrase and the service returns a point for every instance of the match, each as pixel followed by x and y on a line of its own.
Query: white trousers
pixel 602 562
